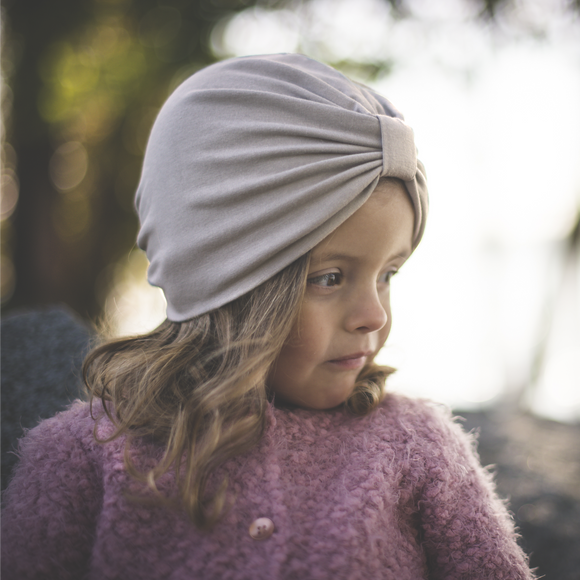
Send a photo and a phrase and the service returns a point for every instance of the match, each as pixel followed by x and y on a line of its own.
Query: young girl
pixel 249 435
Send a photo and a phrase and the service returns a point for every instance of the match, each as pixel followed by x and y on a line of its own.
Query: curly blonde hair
pixel 199 387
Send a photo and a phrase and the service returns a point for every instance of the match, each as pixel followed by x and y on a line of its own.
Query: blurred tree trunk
pixel 50 267
pixel 39 257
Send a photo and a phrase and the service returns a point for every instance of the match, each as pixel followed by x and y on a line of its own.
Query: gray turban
pixel 251 163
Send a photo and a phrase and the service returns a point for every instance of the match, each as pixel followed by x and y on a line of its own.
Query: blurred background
pixel 487 309
pixel 486 313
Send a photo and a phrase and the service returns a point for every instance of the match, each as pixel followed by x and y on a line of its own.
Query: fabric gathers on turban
pixel 251 163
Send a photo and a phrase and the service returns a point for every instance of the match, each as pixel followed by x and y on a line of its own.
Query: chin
pixel 335 399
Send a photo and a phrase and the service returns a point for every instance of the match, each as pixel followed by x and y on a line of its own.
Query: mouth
pixel 351 361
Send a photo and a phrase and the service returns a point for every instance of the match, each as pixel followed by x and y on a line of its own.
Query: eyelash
pixel 336 278
pixel 389 275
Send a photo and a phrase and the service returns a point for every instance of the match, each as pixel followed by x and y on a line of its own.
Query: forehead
pixel 391 192
pixel 384 223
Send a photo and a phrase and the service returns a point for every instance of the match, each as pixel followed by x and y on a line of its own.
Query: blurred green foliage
pixel 87 79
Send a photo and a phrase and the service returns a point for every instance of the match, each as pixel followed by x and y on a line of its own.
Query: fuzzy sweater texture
pixel 398 494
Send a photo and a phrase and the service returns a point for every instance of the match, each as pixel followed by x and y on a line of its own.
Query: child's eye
pixel 326 280
pixel 386 277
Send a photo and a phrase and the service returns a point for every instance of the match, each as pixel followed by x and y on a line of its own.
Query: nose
pixel 368 312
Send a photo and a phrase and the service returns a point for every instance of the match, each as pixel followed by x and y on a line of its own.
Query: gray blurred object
pixel 537 466
pixel 42 354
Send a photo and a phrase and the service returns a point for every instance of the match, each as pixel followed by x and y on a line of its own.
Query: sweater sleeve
pixel 53 500
pixel 467 530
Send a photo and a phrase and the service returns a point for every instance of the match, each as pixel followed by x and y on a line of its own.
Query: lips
pixel 351 361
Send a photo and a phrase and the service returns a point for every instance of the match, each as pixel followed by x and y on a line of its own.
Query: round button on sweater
pixel 262 529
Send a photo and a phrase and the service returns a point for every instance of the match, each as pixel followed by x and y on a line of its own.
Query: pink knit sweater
pixel 398 494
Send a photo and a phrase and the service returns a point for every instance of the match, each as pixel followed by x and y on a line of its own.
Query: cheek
pixel 384 334
pixel 309 331
pixel 385 331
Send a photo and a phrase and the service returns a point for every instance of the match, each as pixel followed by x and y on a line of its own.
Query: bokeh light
pixel 68 165
pixel 132 306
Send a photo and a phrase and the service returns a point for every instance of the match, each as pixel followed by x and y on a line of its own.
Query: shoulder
pixel 65 440
pixel 419 419
pixel 73 426
pixel 428 435
pixel 412 409
pixel 397 418
pixel 61 451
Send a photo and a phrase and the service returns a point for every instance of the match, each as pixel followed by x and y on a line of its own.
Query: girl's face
pixel 345 316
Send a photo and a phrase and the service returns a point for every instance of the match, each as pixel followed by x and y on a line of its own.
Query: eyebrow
pixel 330 257
pixel 334 256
